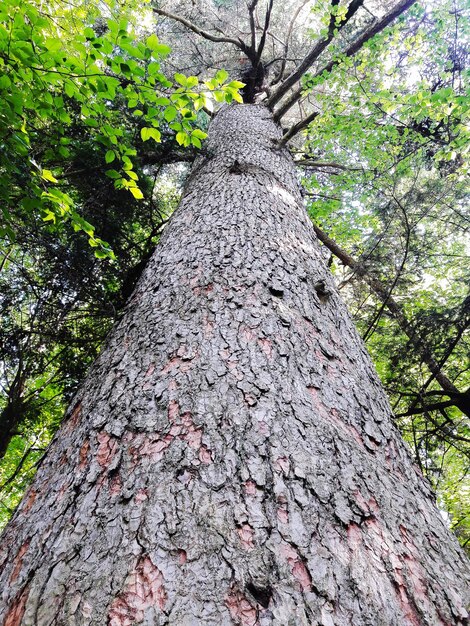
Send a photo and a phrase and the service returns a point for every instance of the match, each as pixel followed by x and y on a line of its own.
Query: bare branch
pixel 313 55
pixel 327 164
pixel 296 128
pixel 394 308
pixel 203 33
pixel 251 11
pixel 259 52
pixel 284 58
pixel 459 400
pixel 350 51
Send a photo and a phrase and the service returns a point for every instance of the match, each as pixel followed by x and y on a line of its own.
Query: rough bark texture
pixel 231 458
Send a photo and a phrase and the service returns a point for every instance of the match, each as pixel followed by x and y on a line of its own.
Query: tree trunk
pixel 231 458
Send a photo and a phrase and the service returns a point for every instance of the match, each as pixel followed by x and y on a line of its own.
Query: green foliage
pixel 58 73
pixel 58 301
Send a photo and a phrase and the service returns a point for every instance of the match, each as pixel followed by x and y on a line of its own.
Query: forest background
pixel 104 106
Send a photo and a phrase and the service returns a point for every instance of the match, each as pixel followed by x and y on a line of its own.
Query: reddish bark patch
pixel 172 364
pixel 176 363
pixel 107 448
pixel 29 500
pixel 266 346
pixel 190 432
pixel 151 447
pixel 241 611
pixel 19 561
pixel 83 455
pixel 173 410
pixel 74 416
pixel 115 486
pixel 282 514
pixel 282 465
pixel 297 566
pixel 348 429
pixel 143 589
pixel 250 488
pixel 205 455
pixel 182 557
pixel 408 542
pixel 150 370
pixel 208 327
pixel 249 399
pixel 368 507
pixel 317 401
pixel 141 496
pixel 199 290
pixel 62 491
pixel 407 608
pixel 416 576
pixel 63 460
pixel 375 531
pixel 247 333
pixel 182 427
pixel 16 612
pixel 354 537
pixel 246 533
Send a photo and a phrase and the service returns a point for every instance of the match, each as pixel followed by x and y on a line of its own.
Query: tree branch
pixel 313 55
pixel 203 33
pixel 328 164
pixel 350 51
pixel 284 59
pixel 251 11
pixel 396 311
pixel 370 330
pixel 267 19
pixel 459 400
pixel 425 409
pixel 296 128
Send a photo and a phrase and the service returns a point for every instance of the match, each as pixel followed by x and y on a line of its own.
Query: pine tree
pixel 231 457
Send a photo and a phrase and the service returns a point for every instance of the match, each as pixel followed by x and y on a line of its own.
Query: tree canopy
pixel 104 105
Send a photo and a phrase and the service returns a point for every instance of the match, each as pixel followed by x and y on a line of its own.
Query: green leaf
pixel 170 113
pixel 200 134
pixel 221 76
pixel 110 156
pixel 113 174
pixel 162 50
pixel 181 79
pixel 182 138
pixel 152 42
pixel 135 191
pixel 150 133
pixel 47 175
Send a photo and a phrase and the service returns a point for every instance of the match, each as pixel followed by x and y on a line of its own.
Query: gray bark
pixel 231 458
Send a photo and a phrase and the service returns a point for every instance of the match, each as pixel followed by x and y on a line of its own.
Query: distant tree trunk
pixel 231 458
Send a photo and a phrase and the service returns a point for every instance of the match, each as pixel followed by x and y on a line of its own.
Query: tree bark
pixel 231 457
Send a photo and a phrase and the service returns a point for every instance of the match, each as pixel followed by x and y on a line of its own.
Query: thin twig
pixel 350 51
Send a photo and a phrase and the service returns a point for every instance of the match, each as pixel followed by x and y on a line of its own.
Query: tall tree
pixel 231 458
